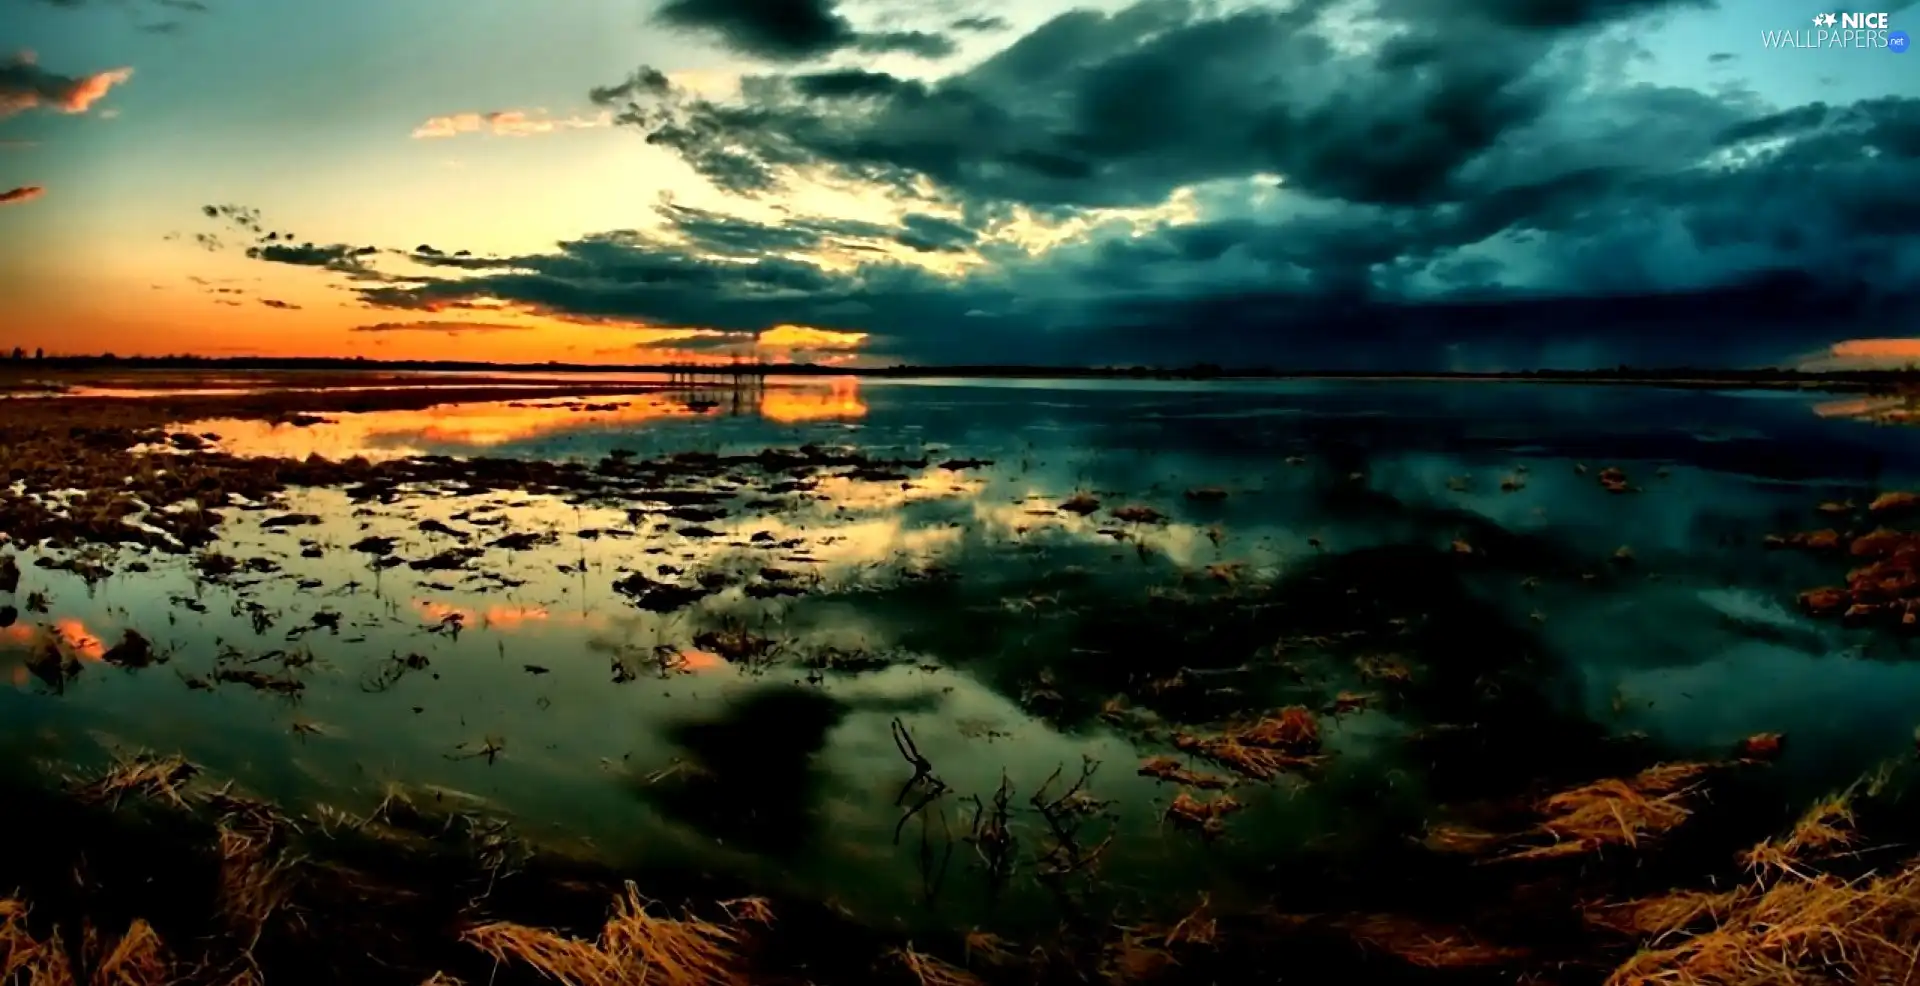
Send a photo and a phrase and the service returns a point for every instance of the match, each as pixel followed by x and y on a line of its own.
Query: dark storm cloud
pixel 337 256
pixel 792 30
pixel 982 24
pixel 1093 109
pixel 1476 187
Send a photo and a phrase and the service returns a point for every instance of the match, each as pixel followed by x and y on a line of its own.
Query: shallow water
pixel 990 624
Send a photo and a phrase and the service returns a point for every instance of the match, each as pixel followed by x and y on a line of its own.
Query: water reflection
pixel 838 400
pixel 485 427
pixel 1012 636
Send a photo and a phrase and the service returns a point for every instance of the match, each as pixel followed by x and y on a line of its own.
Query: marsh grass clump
pixel 1262 750
pixel 135 957
pixel 146 776
pixel 635 946
pixel 1614 811
pixel 1795 920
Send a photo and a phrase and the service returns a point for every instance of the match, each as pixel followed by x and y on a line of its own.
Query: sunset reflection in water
pixel 486 425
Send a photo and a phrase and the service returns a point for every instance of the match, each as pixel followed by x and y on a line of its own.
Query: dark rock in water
pixel 659 597
pixel 9 574
pixel 8 616
pixel 698 532
pixel 520 542
pixel 374 545
pixel 133 651
pixel 51 663
pixel 437 527
pixel 449 560
pixel 289 520
pixel 697 514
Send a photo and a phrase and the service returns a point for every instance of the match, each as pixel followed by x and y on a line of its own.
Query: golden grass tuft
pixel 1207 816
pixel 635 947
pixel 930 971
pixel 145 776
pixel 1824 831
pixel 1653 917
pixel 1292 728
pixel 1816 930
pixel 1793 924
pixel 25 959
pixel 253 883
pixel 1286 740
pixel 135 958
pixel 1615 811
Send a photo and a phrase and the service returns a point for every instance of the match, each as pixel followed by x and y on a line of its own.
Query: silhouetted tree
pixel 39 354
pixel 19 354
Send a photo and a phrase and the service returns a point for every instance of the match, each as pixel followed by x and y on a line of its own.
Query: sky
pixel 1333 184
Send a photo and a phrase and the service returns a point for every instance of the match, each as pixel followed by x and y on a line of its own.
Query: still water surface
pixel 961 602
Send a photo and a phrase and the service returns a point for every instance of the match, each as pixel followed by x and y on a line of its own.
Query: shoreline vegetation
pixel 1565 856
pixel 19 374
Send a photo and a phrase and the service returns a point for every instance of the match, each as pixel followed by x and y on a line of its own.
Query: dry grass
pixel 253 883
pixel 1210 817
pixel 634 948
pixel 1286 740
pixel 1824 831
pixel 1427 946
pixel 1170 769
pixel 1800 930
pixel 1461 840
pixel 1136 959
pixel 135 958
pixel 154 778
pixel 1791 925
pixel 1615 812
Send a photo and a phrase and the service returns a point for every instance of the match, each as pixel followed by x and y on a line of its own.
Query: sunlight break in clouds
pixel 506 123
pixel 25 193
pixel 24 85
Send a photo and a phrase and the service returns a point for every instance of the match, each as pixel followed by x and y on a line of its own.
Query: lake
pixel 1409 561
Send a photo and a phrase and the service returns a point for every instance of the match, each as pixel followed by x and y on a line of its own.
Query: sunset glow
pixel 845 182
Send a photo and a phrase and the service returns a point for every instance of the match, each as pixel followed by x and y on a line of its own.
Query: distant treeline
pixel 1198 371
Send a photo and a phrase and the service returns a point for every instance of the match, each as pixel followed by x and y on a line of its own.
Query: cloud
pixel 448 327
pixel 282 305
pixel 25 193
pixel 982 24
pixel 792 30
pixel 1403 184
pixel 183 6
pixel 24 85
pixel 506 123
